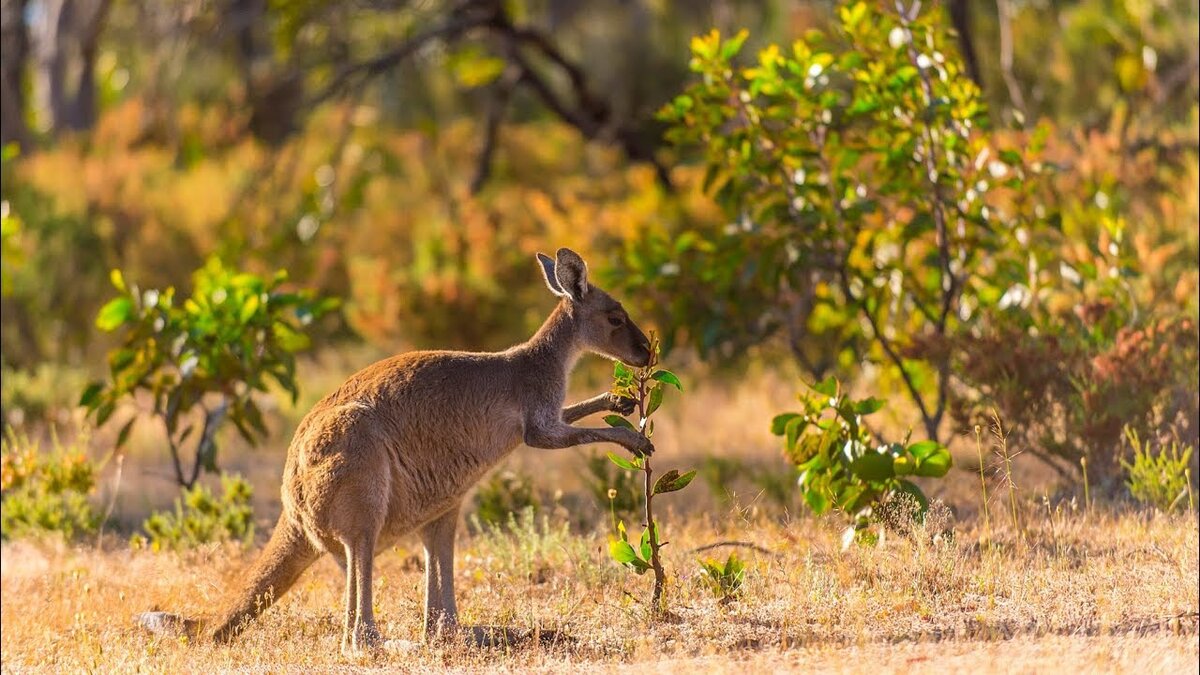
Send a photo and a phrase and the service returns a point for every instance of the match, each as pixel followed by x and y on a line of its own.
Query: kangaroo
pixel 398 445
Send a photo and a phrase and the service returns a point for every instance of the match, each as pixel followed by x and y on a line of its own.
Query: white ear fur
pixel 548 273
pixel 571 272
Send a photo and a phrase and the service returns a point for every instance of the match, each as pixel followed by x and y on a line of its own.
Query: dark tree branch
pixel 497 107
pixel 960 17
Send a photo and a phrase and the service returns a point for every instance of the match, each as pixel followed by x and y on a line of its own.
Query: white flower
pixel 898 37
pixel 924 62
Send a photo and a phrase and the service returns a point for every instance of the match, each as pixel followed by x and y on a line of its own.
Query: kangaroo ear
pixel 548 272
pixel 571 272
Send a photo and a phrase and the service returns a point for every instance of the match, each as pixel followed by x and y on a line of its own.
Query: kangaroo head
pixel 603 325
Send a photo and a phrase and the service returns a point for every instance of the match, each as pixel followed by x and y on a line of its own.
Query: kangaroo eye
pixel 615 321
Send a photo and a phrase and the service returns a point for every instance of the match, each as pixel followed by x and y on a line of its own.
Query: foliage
pixel 871 207
pixel 46 491
pixel 503 495
pixel 724 579
pixel 201 517
pixel 1067 395
pixel 1160 479
pixel 46 394
pixel 209 353
pixel 842 467
pixel 646 386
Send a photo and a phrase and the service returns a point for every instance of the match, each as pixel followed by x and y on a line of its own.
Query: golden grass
pixel 1100 592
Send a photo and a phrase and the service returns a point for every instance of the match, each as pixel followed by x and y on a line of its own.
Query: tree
pixel 66 36
pixel 873 214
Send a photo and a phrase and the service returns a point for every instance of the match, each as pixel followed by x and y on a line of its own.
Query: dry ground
pixel 1090 592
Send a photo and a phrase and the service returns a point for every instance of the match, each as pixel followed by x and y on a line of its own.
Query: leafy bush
pixel 869 208
pixel 200 517
pixel 724 579
pixel 209 353
pixel 842 467
pixel 47 393
pixel 1068 394
pixel 1159 479
pixel 45 491
pixel 502 496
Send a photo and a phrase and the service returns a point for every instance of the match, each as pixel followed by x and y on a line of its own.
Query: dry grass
pixel 1105 593
pixel 1110 590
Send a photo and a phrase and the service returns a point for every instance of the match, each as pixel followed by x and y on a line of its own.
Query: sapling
pixel 646 387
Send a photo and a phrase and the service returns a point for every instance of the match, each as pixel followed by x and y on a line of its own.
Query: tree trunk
pixel 14 50
pixel 960 16
pixel 66 39
pixel 274 92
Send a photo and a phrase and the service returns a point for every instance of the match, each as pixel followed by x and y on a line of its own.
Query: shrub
pixel 868 205
pixel 1160 479
pixel 504 495
pixel 1067 394
pixel 842 467
pixel 200 517
pixel 46 491
pixel 203 359
pixel 724 579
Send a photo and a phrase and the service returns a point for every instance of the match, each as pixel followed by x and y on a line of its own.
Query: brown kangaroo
pixel 396 447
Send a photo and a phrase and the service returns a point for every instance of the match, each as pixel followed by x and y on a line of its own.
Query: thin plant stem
pixel 987 520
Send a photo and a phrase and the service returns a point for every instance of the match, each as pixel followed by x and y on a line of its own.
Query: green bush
pixel 724 579
pixel 203 359
pixel 201 517
pixel 505 495
pixel 869 208
pixel 46 491
pixel 842 467
pixel 1158 478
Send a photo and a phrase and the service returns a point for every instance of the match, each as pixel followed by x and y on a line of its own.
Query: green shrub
pixel 201 517
pixel 842 467
pixel 505 495
pixel 724 579
pixel 1158 478
pixel 203 359
pixel 46 492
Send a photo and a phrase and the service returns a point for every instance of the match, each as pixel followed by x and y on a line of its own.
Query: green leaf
pixel 123 435
pixel 873 466
pixel 904 465
pixel 644 545
pixel 118 280
pixel 794 428
pixel 656 397
pixel 935 465
pixel 923 449
pixel 672 481
pixel 113 314
pixel 91 394
pixel 827 386
pixel 630 465
pixel 618 421
pixel 779 422
pixel 621 551
pixel 817 501
pixel 667 377
pixel 868 406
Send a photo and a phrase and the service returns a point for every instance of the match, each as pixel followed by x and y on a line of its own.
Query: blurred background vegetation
pixel 408 158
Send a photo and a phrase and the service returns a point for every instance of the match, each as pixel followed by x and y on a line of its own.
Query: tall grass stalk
pixel 1002 448
pixel 987 520
pixel 1087 496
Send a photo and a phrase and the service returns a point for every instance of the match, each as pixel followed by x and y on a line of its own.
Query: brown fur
pixel 398 445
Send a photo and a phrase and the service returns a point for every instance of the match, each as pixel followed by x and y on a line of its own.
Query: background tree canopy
pixel 874 192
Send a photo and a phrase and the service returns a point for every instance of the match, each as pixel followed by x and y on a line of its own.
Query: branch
pixel 491 130
pixel 345 77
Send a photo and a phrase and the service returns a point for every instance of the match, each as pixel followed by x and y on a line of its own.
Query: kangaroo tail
pixel 285 557
pixel 283 560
